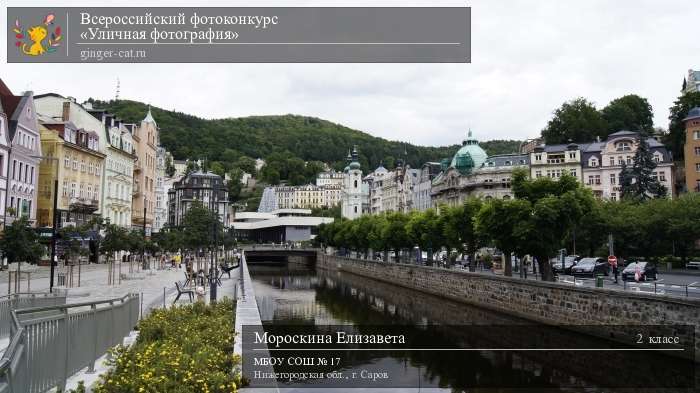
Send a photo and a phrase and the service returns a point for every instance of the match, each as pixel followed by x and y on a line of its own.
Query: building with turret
pixel 143 201
pixel 351 192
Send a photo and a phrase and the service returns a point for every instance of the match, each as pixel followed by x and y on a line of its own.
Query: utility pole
pixel 53 218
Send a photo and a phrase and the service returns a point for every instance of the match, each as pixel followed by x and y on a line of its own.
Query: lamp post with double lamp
pixel 53 219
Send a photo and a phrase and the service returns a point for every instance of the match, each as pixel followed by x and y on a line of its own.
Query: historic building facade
pixel 421 191
pixel 161 192
pixel 24 156
pixel 692 150
pixel 118 179
pixel 205 187
pixel 602 163
pixel 351 196
pixel 555 160
pixel 307 196
pixel 329 178
pixel 77 167
pixel 4 157
pixel 145 136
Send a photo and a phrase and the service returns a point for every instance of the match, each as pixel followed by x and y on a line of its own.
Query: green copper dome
pixel 469 156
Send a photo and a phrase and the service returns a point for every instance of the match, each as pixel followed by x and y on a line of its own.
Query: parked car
pixel 647 271
pixel 569 262
pixel 591 267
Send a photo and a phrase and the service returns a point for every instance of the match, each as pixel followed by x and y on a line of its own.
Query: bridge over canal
pixel 275 254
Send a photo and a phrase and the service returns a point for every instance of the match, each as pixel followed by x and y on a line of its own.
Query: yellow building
pixel 692 150
pixel 74 158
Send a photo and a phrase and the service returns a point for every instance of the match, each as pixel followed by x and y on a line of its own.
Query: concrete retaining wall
pixel 545 302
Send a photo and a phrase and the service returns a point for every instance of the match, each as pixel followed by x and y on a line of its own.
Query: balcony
pixel 83 205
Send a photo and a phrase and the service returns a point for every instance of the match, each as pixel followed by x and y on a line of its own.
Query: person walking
pixel 616 272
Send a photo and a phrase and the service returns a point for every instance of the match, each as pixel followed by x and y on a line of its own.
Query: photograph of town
pixel 270 215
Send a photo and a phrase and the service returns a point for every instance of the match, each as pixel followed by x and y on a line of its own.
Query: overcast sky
pixel 527 58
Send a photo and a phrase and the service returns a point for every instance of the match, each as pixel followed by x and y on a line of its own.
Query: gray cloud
pixel 528 57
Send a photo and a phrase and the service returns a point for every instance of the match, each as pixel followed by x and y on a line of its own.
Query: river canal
pixel 316 298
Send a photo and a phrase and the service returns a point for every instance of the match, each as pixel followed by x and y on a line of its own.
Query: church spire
pixel 149 117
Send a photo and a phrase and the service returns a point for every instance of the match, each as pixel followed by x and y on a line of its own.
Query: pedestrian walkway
pixel 158 291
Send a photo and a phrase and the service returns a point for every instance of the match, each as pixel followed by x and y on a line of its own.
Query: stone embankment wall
pixel 545 302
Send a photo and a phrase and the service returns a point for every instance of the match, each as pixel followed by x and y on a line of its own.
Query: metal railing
pixel 8 303
pixel 49 344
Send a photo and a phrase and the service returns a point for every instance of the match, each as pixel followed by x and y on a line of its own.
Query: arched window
pixel 355 187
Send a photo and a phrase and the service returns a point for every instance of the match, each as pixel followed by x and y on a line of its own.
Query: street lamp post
pixel 52 262
pixel 213 269
pixel 143 248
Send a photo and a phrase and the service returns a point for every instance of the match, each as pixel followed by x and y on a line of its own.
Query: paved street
pixel 673 284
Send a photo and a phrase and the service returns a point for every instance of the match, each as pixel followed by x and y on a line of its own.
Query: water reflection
pixel 321 298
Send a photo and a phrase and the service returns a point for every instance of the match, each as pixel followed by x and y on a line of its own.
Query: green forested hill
pixel 308 138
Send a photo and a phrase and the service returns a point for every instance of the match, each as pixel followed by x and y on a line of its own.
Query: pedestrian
pixel 637 271
pixel 615 270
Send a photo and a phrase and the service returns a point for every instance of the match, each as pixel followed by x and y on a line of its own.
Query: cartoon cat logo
pixel 31 41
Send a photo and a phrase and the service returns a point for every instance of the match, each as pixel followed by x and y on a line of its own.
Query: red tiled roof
pixel 9 100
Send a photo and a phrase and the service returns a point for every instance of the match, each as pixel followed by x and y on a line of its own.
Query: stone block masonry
pixel 544 302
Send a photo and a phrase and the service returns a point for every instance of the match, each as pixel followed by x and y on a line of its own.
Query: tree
pixel 20 243
pixel 676 128
pixel 246 164
pixel 169 167
pixel 577 121
pixel 394 232
pixel 459 227
pixel 234 185
pixel 198 223
pixel 682 223
pixel 270 175
pixel 630 112
pixel 217 168
pixel 426 231
pixel 116 239
pixel 500 220
pixel 191 167
pixel 72 241
pixel 312 169
pixel 637 182
pixel 556 207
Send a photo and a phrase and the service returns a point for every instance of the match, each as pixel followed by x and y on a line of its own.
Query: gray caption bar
pixel 239 35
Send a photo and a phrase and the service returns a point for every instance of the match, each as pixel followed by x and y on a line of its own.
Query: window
pixel 612 161
pixel 65 188
pixel 573 172
pixel 657 158
pixel 593 162
pixel 66 161
pixel 629 160
pixel 72 189
pixel 613 196
pixel 82 190
pixel 75 164
pixel 31 175
pixel 662 176
pixel 623 146
pixel 613 178
pixel 697 167
pixel 538 157
pixel 697 150
pixel 696 135
pixel 82 166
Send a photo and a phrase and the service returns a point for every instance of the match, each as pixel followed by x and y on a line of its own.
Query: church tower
pixel 351 203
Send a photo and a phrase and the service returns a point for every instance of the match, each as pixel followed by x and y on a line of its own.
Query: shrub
pixel 182 349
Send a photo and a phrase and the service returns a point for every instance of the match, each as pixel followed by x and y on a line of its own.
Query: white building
pixel 602 163
pixel 278 226
pixel 421 191
pixel 328 178
pixel 374 184
pixel 118 180
pixel 692 82
pixel 351 195
pixel 161 193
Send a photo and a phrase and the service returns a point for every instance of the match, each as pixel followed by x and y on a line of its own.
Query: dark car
pixel 647 271
pixel 569 262
pixel 591 267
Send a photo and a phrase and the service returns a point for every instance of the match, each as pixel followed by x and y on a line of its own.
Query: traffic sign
pixel 612 259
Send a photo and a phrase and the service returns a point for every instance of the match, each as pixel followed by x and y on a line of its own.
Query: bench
pixel 227 269
pixel 181 291
pixel 693 265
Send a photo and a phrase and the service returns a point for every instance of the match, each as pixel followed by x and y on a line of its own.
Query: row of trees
pixel 546 215
pixel 200 227
pixel 579 121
